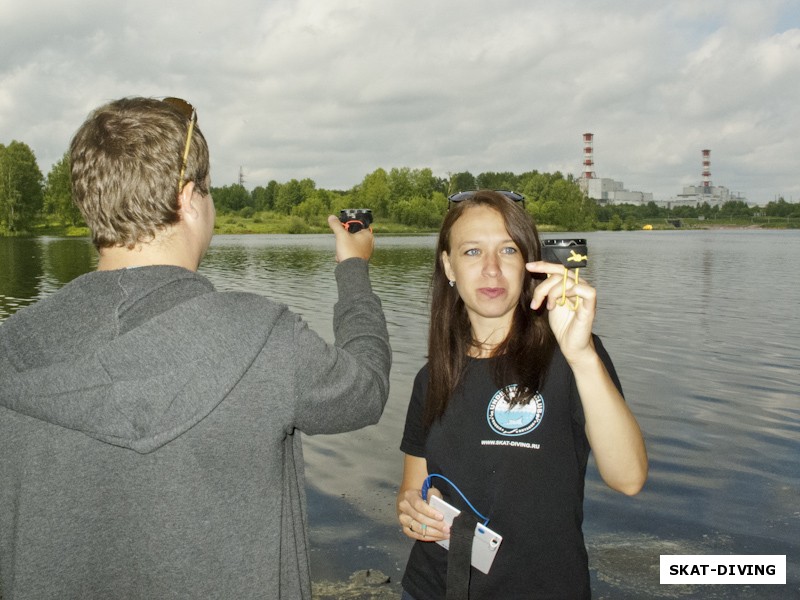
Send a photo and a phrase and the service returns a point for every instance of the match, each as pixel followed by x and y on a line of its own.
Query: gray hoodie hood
pixel 131 357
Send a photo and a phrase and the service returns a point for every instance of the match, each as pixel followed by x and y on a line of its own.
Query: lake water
pixel 705 334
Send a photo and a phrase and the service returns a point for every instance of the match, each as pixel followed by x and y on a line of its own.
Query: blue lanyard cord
pixel 426 485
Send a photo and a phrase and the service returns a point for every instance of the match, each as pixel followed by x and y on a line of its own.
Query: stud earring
pixel 452 282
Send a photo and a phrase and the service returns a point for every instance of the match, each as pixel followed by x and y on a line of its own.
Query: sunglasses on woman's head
pixel 514 196
pixel 188 111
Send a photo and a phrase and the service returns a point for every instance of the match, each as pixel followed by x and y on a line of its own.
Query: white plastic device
pixel 485 542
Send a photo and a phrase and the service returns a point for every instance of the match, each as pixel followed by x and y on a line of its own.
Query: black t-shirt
pixel 521 467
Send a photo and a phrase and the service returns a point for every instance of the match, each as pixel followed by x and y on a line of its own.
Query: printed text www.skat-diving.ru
pixel 511 443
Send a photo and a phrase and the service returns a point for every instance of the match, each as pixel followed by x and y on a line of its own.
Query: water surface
pixel 703 330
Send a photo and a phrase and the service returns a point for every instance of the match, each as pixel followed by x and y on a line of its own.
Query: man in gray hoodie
pixel 150 425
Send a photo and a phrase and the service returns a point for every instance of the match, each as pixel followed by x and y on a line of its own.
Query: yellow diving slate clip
pixel 572 254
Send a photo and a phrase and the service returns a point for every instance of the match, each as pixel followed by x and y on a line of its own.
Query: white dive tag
pixel 484 544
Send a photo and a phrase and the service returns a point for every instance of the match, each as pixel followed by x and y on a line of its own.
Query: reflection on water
pixel 704 333
pixel 703 330
pixel 31 268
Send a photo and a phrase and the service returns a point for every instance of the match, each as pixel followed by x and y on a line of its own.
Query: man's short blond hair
pixel 126 161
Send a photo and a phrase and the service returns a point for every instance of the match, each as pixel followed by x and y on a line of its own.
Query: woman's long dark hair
pixel 529 344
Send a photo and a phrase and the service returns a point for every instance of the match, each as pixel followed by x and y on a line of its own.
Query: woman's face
pixel 488 270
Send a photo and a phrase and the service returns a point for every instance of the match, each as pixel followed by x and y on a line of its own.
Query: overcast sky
pixel 333 89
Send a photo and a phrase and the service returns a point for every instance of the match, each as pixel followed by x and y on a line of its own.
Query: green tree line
pixel 415 198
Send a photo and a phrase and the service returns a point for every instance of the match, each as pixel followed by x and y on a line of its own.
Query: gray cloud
pixel 333 90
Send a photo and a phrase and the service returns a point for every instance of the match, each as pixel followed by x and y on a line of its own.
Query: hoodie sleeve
pixel 344 386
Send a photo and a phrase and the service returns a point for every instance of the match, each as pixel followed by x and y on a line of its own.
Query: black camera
pixel 571 253
pixel 355 219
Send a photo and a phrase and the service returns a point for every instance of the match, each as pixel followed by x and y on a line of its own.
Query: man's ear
pixel 186 207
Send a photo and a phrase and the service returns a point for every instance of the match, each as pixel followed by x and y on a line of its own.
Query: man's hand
pixel 351 245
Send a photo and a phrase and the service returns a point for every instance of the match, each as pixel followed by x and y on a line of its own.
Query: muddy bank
pixel 362 585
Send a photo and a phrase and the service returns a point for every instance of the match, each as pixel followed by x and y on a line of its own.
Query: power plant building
pixel 705 193
pixel 608 191
pixel 602 189
pixel 698 194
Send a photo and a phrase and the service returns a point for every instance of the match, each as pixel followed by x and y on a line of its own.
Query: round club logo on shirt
pixel 514 420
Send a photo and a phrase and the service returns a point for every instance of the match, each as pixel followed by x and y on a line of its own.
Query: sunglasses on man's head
pixel 466 195
pixel 188 111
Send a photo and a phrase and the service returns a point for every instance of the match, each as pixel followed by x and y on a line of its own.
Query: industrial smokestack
pixel 588 158
pixel 707 170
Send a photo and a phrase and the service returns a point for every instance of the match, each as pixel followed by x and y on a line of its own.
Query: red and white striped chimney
pixel 706 168
pixel 588 160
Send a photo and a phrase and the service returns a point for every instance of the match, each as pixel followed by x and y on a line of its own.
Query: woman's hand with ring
pixel 419 520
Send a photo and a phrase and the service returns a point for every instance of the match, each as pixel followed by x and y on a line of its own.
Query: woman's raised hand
pixel 571 304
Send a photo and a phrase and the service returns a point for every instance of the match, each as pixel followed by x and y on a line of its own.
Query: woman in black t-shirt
pixel 516 391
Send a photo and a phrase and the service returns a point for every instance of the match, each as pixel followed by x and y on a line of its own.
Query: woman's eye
pixel 472 252
pixel 509 250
